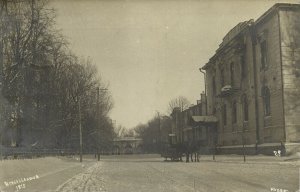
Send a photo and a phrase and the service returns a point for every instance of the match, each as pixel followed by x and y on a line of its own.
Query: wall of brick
pixel 290 47
pixel 270 127
pixel 279 29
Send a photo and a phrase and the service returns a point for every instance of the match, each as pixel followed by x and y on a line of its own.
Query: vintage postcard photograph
pixel 149 95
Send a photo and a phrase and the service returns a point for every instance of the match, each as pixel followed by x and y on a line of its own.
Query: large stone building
pixel 253 83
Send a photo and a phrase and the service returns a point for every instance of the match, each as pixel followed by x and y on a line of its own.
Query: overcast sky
pixel 149 50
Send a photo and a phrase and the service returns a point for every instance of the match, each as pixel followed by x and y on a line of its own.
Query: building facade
pixel 194 128
pixel 127 145
pixel 253 83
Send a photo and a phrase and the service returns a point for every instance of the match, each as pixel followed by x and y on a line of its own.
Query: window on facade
pixel 245 108
pixel 214 110
pixel 199 132
pixel 224 113
pixel 234 142
pixel 232 73
pixel 266 101
pixel 214 87
pixel 243 66
pixel 234 112
pixel 222 77
pixel 263 53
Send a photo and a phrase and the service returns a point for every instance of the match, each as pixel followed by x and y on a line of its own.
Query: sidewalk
pixel 40 174
pixel 255 159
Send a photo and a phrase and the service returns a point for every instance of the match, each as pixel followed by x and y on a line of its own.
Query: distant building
pixel 193 127
pixel 253 84
pixel 127 145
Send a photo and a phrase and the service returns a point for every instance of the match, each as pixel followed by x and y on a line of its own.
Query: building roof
pixel 228 38
pixel 127 139
pixel 241 26
pixel 274 9
pixel 205 119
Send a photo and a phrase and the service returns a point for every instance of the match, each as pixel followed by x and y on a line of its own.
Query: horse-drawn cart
pixel 172 152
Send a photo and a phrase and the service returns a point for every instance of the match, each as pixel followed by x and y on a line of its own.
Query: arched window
pixel 245 108
pixel 266 100
pixel 263 54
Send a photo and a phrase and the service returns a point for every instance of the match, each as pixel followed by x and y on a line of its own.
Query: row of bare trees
pixel 44 87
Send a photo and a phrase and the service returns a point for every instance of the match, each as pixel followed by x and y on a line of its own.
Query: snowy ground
pixel 150 173
pixel 229 173
pixel 89 181
pixel 51 172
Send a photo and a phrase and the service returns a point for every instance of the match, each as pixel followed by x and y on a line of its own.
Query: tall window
pixel 232 73
pixel 245 108
pixel 224 113
pixel 214 86
pixel 263 53
pixel 234 112
pixel 222 78
pixel 243 66
pixel 266 101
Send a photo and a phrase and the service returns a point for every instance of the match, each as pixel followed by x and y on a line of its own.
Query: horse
pixel 195 148
pixel 189 149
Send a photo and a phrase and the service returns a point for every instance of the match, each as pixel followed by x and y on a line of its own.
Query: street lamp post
pixel 243 140
pixel 214 144
pixel 243 143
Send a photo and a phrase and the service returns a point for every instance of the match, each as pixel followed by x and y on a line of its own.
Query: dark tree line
pixel 44 86
pixel 155 133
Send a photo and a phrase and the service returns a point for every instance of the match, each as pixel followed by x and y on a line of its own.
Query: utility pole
pixel 159 128
pixel 1 40
pixel 1 67
pixel 214 143
pixel 243 140
pixel 98 115
pixel 80 129
pixel 98 121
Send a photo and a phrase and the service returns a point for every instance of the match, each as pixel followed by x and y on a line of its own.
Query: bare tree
pixel 179 102
pixel 43 82
pixel 140 129
pixel 120 131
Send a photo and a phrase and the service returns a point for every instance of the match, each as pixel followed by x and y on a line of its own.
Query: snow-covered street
pixel 153 174
pixel 150 173
pixel 88 181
